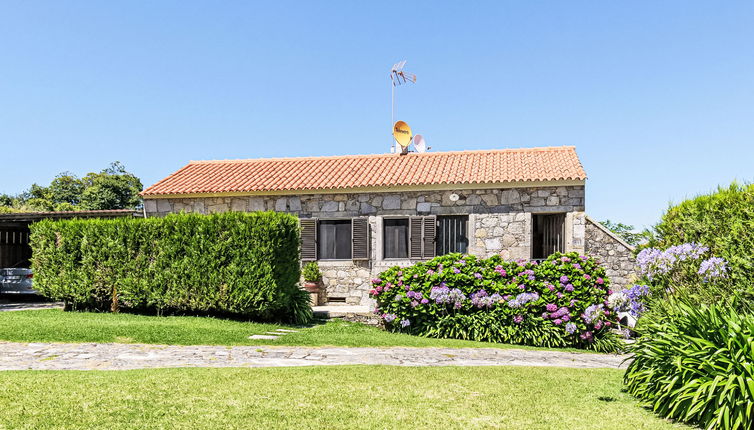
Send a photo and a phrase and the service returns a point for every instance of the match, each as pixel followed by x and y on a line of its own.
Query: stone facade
pixel 500 222
pixel 511 200
pixel 614 254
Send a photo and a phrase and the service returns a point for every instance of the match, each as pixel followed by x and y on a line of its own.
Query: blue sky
pixel 658 97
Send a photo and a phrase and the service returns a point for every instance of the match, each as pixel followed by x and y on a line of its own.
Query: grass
pixel 54 325
pixel 353 397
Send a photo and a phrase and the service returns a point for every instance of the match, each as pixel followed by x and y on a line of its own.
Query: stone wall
pixel 506 234
pixel 614 254
pixel 499 221
pixel 547 199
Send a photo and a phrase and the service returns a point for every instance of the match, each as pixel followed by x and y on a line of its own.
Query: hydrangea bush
pixel 561 301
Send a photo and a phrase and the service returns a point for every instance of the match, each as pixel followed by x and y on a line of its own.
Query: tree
pixel 111 188
pixel 66 188
pixel 626 232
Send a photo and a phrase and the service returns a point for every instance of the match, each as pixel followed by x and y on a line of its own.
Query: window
pixel 548 235
pixel 341 239
pixel 412 237
pixel 395 237
pixel 334 238
pixel 452 234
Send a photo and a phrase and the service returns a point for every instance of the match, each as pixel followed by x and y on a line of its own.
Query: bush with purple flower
pixel 687 271
pixel 461 296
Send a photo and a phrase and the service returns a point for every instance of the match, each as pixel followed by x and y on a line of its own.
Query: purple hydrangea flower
pixel 518 319
pixel 482 300
pixel 563 279
pixel 405 323
pixel 444 295
pixel 389 317
pixel 551 307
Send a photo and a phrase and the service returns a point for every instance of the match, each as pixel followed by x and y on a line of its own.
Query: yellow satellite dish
pixel 402 133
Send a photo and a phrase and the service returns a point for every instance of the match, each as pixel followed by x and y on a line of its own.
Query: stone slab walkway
pixel 110 356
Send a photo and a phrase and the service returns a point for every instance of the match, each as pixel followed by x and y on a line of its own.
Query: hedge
pixel 230 263
pixel 722 221
pixel 556 303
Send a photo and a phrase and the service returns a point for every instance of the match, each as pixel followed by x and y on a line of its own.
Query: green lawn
pixel 353 397
pixel 58 326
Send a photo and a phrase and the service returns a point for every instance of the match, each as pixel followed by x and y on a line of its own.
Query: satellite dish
pixel 419 143
pixel 402 134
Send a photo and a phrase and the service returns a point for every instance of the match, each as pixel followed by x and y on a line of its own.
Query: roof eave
pixel 371 189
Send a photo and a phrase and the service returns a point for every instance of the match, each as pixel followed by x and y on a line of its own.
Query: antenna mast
pixel 397 77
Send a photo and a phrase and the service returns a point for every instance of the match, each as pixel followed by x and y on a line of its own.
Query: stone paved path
pixel 109 356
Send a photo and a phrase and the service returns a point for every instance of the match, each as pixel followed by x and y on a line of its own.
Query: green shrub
pixel 697 365
pixel 311 272
pixel 231 263
pixel 722 221
pixel 559 302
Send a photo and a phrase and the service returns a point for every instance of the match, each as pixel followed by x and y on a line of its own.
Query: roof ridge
pixel 386 155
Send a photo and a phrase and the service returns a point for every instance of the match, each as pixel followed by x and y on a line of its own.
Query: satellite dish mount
pixel 398 77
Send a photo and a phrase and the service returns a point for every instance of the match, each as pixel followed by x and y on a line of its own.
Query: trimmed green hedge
pixel 722 221
pixel 234 263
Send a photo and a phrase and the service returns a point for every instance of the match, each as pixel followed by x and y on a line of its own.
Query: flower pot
pixel 312 287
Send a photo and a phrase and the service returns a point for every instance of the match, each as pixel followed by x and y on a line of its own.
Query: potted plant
pixel 312 277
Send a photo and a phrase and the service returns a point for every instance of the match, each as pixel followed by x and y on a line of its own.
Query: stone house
pixel 361 214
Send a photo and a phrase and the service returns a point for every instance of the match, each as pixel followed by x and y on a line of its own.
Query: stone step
pixel 262 337
pixel 362 314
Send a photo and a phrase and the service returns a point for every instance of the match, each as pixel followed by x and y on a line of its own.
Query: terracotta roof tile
pixel 381 170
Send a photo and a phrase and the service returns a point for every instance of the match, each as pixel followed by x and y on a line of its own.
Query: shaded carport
pixel 14 231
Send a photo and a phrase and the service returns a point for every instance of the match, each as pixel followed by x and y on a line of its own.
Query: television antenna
pixel 397 77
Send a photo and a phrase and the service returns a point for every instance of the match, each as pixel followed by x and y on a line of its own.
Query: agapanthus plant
pixel 687 270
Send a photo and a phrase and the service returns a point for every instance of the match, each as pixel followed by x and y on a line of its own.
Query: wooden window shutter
pixel 429 230
pixel 415 237
pixel 360 238
pixel 308 239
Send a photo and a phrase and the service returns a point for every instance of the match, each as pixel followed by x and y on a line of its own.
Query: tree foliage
pixel 112 188
pixel 627 232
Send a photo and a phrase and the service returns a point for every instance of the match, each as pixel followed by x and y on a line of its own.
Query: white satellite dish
pixel 419 143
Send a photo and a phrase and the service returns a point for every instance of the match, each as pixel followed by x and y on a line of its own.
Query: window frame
pixel 466 221
pixel 534 223
pixel 408 236
pixel 320 221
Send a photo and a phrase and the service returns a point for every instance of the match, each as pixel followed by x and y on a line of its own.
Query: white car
pixel 16 280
